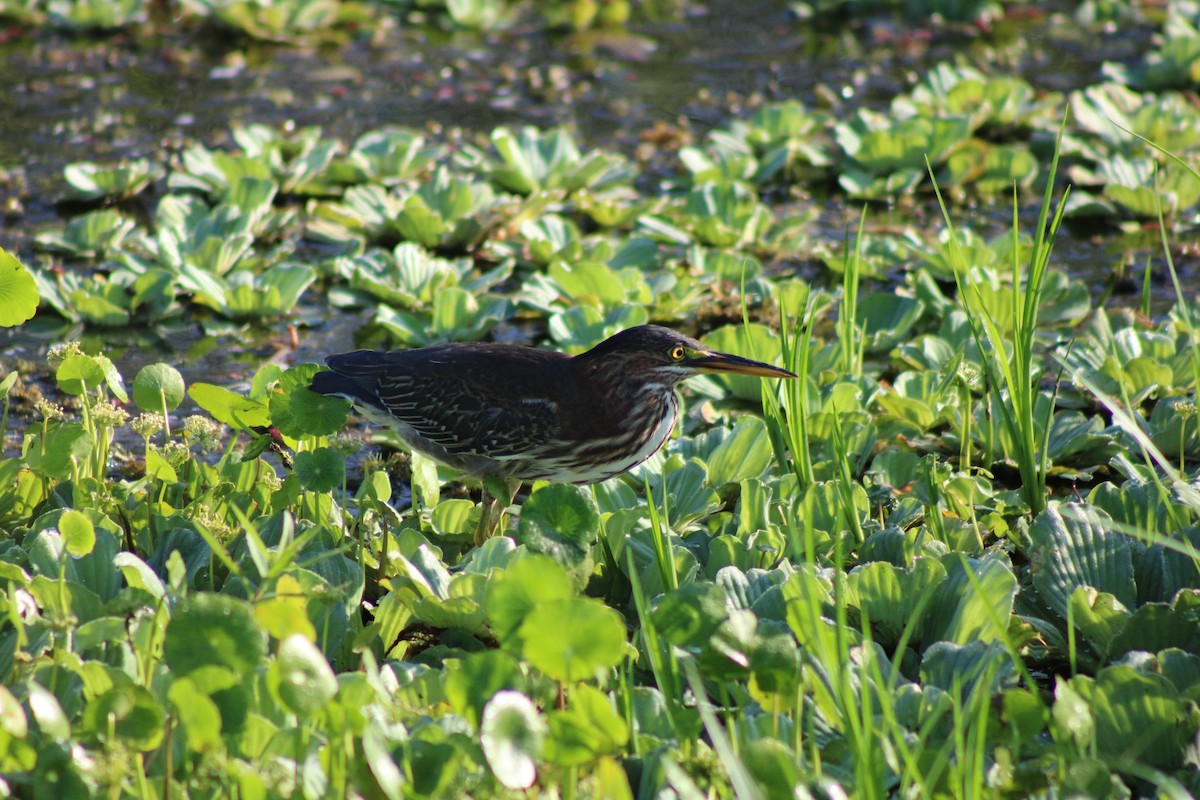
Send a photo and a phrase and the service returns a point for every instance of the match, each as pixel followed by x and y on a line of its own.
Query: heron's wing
pixel 491 401
pixel 465 418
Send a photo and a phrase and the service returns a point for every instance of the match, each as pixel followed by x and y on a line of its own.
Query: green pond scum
pixel 957 557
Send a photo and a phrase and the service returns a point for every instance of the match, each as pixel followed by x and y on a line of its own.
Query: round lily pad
pixel 572 639
pixel 306 681
pixel 76 374
pixel 79 535
pixel 131 713
pixel 156 385
pixel 298 412
pixel 213 630
pixel 561 521
pixel 320 470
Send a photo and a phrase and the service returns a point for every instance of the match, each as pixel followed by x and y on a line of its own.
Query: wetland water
pixel 67 99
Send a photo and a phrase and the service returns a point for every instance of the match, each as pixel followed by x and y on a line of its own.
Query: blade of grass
pixel 743 785
pixel 664 668
pixel 850 334
pixel 1018 374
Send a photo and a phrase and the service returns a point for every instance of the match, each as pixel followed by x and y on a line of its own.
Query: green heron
pixel 510 414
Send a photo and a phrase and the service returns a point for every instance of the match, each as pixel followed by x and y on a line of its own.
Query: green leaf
pixel 1158 626
pixel 774 670
pixel 285 613
pixel 96 570
pixel 462 609
pixel 156 386
pixel 588 283
pixel 77 374
pixel 105 310
pixel 425 483
pixel 453 516
pixel 577 328
pixel 320 470
pixel 199 715
pixel 750 341
pixel 774 766
pixel 13 725
pixel 588 728
pixel 18 292
pixel 1098 616
pixel 71 598
pixel 1162 571
pixel 952 667
pixel 130 713
pixel 1072 547
pixel 689 495
pixel 560 521
pixel 45 552
pixel 888 596
pixel 1136 717
pixel 377 743
pixel 427 571
pixel 572 639
pixel 517 590
pixel 79 536
pixel 975 601
pixel 744 453
pixel 159 469
pixel 688 616
pixel 477 678
pixel 1024 710
pixel 306 681
pixel 89 181
pixel 653 717
pixel 212 630
pixel 886 319
pixel 269 294
pixel 47 713
pixel 90 235
pixel 66 445
pixel 138 574
pixel 298 412
pixel 229 408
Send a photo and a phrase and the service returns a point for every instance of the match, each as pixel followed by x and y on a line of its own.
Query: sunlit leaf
pixel 18 292
pixel 512 732
pixel 158 387
pixel 79 536
pixel 572 639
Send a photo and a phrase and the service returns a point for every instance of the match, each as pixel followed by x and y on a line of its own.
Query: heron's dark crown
pixel 644 347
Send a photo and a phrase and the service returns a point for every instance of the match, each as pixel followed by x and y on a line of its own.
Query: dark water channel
pixel 71 99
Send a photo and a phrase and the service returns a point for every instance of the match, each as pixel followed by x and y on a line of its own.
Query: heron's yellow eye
pixel 677 353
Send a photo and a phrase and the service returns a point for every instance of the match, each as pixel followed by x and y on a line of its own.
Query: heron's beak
pixel 713 361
